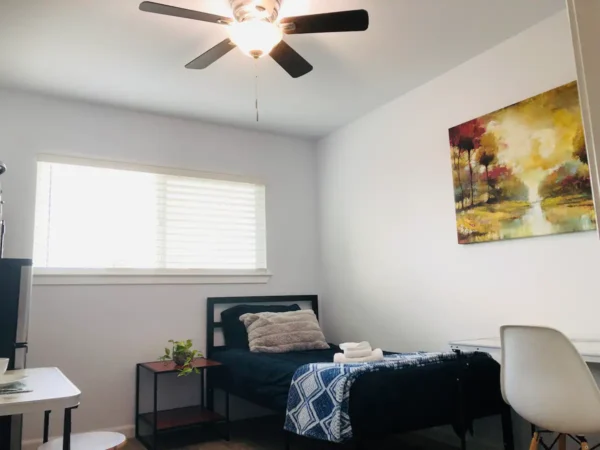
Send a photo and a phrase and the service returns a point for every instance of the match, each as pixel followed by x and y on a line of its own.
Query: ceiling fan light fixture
pixel 255 38
pixel 257 30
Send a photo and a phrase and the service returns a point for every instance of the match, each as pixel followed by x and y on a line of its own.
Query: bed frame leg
pixel 463 441
pixel 507 428
pixel 287 439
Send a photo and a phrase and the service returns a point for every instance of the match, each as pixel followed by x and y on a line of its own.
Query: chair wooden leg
pixel 562 442
pixel 534 441
pixel 584 443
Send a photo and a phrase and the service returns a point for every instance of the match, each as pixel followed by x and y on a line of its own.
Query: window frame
pixel 50 276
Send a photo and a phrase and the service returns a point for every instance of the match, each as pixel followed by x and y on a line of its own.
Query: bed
pixel 381 403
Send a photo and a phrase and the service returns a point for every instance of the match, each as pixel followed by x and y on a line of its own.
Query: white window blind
pixel 91 216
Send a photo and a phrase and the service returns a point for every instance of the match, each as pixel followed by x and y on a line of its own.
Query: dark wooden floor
pixel 266 434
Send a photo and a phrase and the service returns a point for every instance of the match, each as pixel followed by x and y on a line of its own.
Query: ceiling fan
pixel 257 30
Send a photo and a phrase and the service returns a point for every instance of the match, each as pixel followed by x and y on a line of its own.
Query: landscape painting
pixel 523 171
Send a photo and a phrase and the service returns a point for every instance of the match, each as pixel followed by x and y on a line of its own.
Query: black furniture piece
pixel 15 298
pixel 159 422
pixel 381 403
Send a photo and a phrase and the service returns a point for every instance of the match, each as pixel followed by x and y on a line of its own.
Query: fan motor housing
pixel 255 9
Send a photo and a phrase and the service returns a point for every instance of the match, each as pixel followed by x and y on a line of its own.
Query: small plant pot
pixel 180 358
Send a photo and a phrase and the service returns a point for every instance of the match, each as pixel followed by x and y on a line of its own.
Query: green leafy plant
pixel 182 354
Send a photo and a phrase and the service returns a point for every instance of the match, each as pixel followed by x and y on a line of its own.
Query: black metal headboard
pixel 211 302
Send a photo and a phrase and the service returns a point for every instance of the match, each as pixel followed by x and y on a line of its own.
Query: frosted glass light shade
pixel 255 38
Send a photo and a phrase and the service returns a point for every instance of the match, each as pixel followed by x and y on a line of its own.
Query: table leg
pixel 228 436
pixel 155 425
pixel 210 392
pixel 137 400
pixel 507 429
pixel 67 430
pixel 46 425
pixel 202 388
pixel 463 424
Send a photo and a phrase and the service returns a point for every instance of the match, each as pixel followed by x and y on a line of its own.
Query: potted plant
pixel 182 355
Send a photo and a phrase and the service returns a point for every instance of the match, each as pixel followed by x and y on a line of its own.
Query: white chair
pixel 547 382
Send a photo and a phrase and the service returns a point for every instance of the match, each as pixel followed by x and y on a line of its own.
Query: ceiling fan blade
pixel 357 20
pixel 212 55
pixel 290 60
pixel 174 11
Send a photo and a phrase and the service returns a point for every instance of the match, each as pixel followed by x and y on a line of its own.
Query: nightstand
pixel 160 421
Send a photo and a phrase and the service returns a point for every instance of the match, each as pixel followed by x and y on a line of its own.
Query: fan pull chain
pixel 256 88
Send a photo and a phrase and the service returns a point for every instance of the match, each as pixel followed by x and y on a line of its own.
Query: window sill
pixel 43 276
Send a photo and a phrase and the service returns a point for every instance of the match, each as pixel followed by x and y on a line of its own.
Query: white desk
pixel 51 390
pixel 589 348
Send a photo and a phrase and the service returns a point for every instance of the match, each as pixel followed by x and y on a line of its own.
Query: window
pixel 95 215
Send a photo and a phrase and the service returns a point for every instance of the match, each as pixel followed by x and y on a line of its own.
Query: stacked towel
pixel 355 345
pixel 356 352
pixel 375 355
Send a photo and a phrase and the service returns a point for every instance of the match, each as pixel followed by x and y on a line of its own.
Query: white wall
pixel 96 334
pixel 393 272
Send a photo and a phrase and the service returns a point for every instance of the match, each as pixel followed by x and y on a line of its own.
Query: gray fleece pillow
pixel 292 331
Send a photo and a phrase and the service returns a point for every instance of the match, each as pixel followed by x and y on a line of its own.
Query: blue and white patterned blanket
pixel 319 398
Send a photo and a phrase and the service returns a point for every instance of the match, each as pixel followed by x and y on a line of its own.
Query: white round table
pixel 100 440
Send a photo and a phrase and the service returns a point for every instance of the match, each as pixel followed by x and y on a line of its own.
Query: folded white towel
pixel 376 355
pixel 355 345
pixel 351 353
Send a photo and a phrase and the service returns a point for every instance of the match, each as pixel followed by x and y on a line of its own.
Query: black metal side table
pixel 162 421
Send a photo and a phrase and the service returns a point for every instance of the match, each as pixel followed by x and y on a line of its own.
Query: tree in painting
pixel 487 154
pixel 523 170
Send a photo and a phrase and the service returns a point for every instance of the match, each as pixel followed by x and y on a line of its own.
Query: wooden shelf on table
pixel 169 366
pixel 182 417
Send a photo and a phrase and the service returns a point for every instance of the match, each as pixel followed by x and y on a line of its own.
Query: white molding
pixel 43 276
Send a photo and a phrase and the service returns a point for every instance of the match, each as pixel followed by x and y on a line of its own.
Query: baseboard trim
pixel 127 430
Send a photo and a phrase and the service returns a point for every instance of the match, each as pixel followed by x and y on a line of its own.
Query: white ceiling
pixel 110 52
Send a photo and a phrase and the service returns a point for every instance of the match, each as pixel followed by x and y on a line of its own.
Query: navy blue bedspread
pixel 267 375
pixel 380 402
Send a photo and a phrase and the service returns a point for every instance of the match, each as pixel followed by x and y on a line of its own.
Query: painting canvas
pixel 522 171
